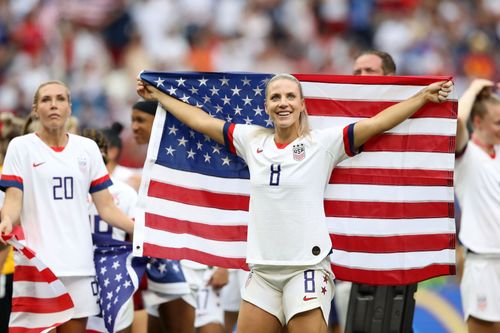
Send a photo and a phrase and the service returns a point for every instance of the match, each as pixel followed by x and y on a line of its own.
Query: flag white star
pixel 170 150
pixel 199 145
pixel 115 265
pixel 127 284
pixel 203 81
pixel 162 267
pixel 236 90
pixel 229 118
pixel 206 99
pixel 185 98
pixel 118 277
pixel 193 90
pixel 214 91
pixel 258 111
pixel 246 82
pixel 172 91
pixel 226 160
pixel 207 157
pixel 191 154
pixel 182 141
pixel 172 130
pixel 175 267
pixel 192 133
pixel 247 100
pixel 224 81
pixel 237 110
pixel 180 82
pixel 248 121
pixel 109 295
pixel 226 100
pixel 269 122
pixel 257 91
pixel 159 82
pixel 106 282
pixel 216 149
pixel 218 109
pixel 103 270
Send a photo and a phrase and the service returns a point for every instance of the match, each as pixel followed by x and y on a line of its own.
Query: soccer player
pixel 291 282
pixel 48 176
pixel 477 186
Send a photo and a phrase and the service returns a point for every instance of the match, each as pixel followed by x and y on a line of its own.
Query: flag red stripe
pixel 194 255
pixel 401 177
pixel 392 277
pixel 393 244
pixel 367 80
pixel 31 274
pixel 411 143
pixel 198 197
pixel 365 109
pixel 214 232
pixel 388 210
pixel 30 330
pixel 334 208
pixel 42 305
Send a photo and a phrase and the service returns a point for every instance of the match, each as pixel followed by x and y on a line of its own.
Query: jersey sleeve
pixel 236 137
pixel 12 171
pixel 339 142
pixel 99 175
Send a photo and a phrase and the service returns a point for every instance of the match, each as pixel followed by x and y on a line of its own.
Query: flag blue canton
pixel 165 271
pixel 232 97
pixel 114 269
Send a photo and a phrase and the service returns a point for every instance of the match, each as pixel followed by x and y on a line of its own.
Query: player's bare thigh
pixel 253 319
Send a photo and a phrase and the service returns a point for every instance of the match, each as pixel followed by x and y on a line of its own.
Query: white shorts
pixel 84 294
pixel 231 293
pixel 208 305
pixel 480 287
pixel 285 291
pixel 152 300
pixel 124 319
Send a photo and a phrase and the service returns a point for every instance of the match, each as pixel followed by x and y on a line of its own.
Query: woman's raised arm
pixel 191 116
pixel 365 129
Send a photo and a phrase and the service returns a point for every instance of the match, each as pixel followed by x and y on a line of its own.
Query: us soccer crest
pixel 299 152
pixel 82 162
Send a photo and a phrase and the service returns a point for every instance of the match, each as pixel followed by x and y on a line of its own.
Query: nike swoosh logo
pixel 259 150
pixel 308 298
pixel 37 164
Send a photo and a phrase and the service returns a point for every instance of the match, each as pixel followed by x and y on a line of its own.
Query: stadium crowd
pixel 98 47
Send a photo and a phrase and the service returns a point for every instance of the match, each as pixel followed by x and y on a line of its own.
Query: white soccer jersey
pixel 287 218
pixel 477 185
pixel 55 189
pixel 125 197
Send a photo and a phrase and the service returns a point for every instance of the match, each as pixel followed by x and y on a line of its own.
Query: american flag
pixel 118 276
pixel 389 209
pixel 40 301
